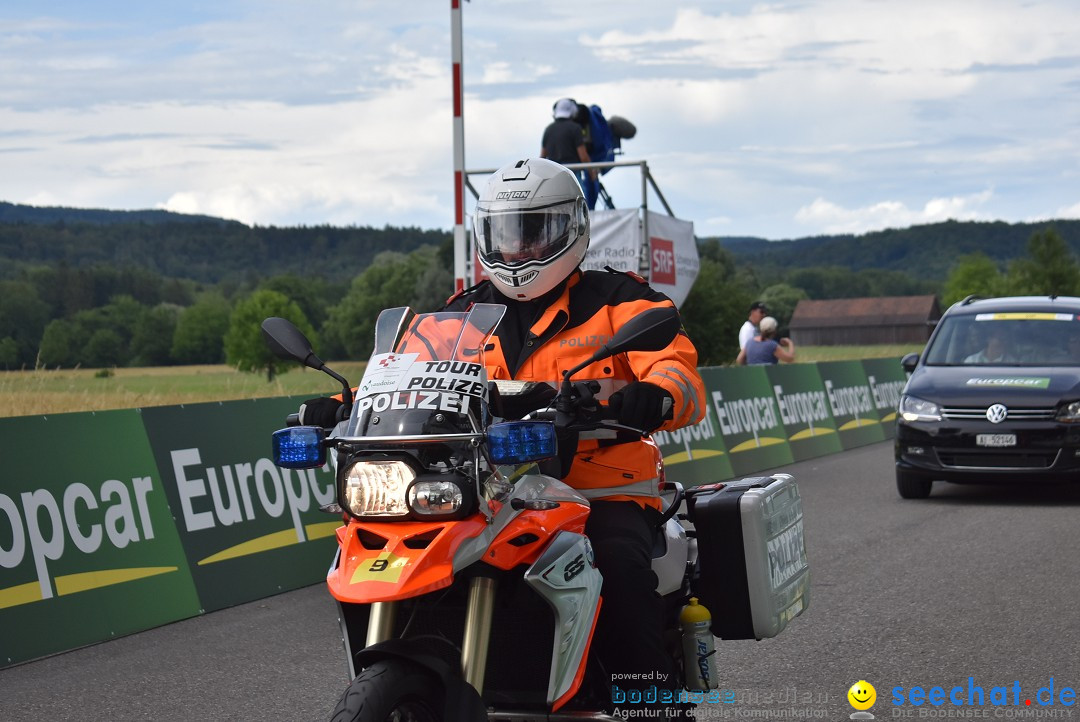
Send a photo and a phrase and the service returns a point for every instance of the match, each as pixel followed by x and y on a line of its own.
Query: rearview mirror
pixel 651 330
pixel 909 362
pixel 287 342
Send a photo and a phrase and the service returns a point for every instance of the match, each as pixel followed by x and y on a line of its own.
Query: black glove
pixel 514 406
pixel 641 405
pixel 322 411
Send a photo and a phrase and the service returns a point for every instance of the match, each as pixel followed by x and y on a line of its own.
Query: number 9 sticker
pixel 385 567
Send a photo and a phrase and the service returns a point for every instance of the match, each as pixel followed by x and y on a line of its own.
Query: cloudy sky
pixel 776 120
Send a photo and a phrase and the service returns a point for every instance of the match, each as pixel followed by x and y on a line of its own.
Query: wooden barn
pixel 864 321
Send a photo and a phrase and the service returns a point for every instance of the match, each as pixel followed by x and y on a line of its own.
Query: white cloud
pixel 339 112
pixel 1072 211
pixel 935 35
pixel 828 217
pixel 504 72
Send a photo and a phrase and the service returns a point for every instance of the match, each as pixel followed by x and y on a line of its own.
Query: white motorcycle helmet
pixel 531 227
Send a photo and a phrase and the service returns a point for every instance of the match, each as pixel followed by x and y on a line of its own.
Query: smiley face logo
pixel 862 695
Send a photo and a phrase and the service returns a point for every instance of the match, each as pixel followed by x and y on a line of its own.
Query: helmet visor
pixel 517 237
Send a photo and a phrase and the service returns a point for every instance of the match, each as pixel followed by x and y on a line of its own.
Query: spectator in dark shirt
pixel 564 138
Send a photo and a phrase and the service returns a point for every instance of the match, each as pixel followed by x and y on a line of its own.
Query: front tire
pixel 911 486
pixel 391 690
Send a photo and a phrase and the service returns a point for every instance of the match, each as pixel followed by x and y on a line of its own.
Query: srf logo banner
pixel 662 253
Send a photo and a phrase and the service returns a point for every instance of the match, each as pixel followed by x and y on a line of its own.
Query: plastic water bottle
pixel 699 647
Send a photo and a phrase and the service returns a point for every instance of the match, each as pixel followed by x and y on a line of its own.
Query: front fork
pixel 474 647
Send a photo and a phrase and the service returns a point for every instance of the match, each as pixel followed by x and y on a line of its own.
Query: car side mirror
pixel 909 362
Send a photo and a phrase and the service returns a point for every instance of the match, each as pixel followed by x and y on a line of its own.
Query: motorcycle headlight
pixel 435 497
pixel 912 408
pixel 377 488
pixel 1069 413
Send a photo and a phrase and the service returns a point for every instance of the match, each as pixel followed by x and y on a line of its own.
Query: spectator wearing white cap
pixel 564 138
pixel 764 348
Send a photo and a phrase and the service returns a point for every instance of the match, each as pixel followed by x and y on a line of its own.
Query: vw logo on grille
pixel 996 413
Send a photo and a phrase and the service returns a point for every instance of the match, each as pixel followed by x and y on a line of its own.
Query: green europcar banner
pixel 851 402
pixel 88 548
pixel 886 378
pixel 249 528
pixel 695 455
pixel 748 418
pixel 804 410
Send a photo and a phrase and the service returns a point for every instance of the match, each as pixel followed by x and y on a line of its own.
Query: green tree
pixel 103 349
pixel 200 331
pixel 23 316
pixel 121 315
pixel 897 283
pixel 9 353
pixel 434 284
pixel 713 313
pixel 314 295
pixel 59 344
pixel 782 299
pixel 393 279
pixel 974 274
pixel 822 282
pixel 151 343
pixel 1049 269
pixel 245 346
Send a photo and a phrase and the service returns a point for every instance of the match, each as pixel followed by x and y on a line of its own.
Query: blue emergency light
pixel 515 442
pixel 300 447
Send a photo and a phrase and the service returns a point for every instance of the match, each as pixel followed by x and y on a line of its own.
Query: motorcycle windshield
pixel 426 373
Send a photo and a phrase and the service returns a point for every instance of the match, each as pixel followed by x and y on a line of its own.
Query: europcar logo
pixel 42 526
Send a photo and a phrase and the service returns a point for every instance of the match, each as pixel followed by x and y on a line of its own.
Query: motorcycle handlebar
pixel 601 419
pixel 292 420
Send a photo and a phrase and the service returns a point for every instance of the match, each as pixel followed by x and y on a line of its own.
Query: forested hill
pixel 13 213
pixel 211 250
pixel 928 250
pixel 200 248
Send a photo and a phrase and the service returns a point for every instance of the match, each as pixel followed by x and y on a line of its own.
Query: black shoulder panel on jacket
pixel 599 289
pixel 460 301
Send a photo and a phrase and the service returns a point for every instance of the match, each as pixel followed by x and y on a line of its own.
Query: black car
pixel 994 397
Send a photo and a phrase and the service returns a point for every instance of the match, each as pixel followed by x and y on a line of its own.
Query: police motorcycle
pixel 465 586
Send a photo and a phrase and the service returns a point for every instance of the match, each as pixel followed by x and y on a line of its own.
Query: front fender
pixel 461 701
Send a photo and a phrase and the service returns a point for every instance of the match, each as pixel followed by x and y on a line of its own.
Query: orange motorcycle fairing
pixel 525 537
pixel 386 561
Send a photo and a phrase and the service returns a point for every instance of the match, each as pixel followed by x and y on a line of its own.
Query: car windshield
pixel 1007 339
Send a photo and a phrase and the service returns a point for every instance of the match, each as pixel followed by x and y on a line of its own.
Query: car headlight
pixel 377 488
pixel 435 497
pixel 1069 413
pixel 912 408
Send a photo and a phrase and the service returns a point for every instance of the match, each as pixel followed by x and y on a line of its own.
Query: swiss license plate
pixel 995 439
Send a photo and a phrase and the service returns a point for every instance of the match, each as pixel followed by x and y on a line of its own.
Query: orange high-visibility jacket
pixel 567 330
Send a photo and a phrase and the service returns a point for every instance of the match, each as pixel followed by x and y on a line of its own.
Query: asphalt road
pixel 975 582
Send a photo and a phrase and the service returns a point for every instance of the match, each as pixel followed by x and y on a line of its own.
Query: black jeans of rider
pixel 629 638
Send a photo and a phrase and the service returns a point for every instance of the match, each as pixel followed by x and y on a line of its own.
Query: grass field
pixel 813 354
pixel 39 392
pixel 28 393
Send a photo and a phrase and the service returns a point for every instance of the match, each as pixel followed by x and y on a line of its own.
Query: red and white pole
pixel 460 246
